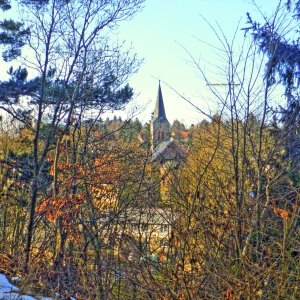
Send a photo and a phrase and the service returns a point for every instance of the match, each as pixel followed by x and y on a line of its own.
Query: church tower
pixel 160 126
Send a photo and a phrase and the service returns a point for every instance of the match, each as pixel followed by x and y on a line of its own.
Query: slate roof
pixel 159 111
pixel 168 151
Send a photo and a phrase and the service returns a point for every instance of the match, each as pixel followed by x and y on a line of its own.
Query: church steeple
pixel 160 126
pixel 159 111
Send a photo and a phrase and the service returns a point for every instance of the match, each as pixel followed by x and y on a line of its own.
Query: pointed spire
pixel 159 111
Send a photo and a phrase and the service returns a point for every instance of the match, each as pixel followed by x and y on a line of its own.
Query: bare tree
pixel 227 195
pixel 78 70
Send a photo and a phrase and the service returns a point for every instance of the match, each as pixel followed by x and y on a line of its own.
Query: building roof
pixel 159 111
pixel 185 134
pixel 168 151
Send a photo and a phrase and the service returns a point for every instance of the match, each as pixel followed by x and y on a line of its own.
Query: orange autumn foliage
pixel 284 214
pixel 100 176
pixel 65 207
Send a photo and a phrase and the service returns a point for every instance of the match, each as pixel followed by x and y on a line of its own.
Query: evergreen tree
pixel 176 130
pixel 278 38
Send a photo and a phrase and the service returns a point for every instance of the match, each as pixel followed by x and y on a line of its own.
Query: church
pixel 163 147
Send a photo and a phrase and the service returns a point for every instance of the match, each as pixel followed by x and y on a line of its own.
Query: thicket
pixel 82 205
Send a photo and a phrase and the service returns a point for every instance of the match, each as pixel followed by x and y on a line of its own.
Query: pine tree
pixel 278 38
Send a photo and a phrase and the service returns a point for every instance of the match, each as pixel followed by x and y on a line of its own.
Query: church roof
pixel 168 151
pixel 159 111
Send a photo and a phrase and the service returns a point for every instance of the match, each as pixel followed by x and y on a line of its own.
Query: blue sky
pixel 163 31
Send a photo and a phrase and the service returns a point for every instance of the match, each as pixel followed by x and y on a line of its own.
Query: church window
pixel 158 135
